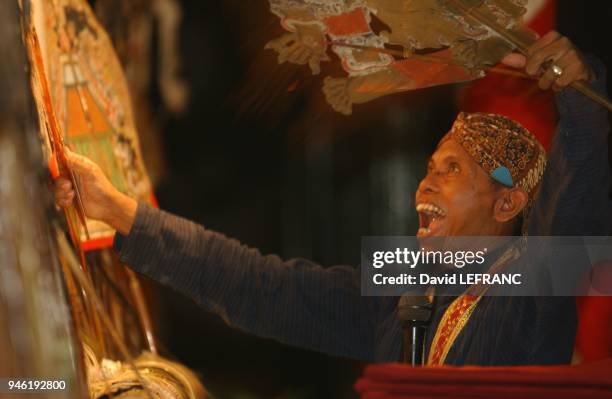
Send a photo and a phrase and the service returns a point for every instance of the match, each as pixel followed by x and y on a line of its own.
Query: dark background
pixel 282 172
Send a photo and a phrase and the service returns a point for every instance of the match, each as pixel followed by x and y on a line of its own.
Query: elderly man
pixel 481 180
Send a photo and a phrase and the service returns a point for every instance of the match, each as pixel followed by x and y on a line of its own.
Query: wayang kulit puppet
pixel 390 46
pixel 83 104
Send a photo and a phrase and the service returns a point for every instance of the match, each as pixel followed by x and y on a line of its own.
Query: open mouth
pixel 430 217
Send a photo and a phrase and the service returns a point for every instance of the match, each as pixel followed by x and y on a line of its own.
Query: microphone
pixel 414 312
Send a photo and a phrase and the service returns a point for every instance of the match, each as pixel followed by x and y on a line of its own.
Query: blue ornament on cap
pixel 502 175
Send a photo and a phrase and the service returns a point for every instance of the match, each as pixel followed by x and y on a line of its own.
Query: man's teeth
pixel 431 209
pixel 424 230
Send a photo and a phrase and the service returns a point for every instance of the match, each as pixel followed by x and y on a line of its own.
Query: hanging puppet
pixel 83 102
pixel 90 100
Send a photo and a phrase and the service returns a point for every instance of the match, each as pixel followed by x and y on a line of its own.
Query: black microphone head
pixel 414 309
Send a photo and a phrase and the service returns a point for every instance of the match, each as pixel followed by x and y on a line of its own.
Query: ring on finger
pixel 557 71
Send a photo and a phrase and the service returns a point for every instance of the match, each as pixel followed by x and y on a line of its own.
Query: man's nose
pixel 429 184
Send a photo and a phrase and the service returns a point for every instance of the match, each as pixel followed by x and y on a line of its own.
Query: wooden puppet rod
pixel 55 139
pixel 88 287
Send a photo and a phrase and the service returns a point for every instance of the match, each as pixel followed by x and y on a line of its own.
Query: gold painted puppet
pixel 90 100
pixel 437 46
pixel 83 101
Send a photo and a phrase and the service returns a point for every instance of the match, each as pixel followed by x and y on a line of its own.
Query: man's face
pixel 456 197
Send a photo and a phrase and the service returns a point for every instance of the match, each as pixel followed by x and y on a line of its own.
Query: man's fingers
pixel 572 70
pixel 65 203
pixel 548 78
pixel 535 35
pixel 515 60
pixel 63 191
pixel 77 162
pixel 62 187
pixel 556 50
pixel 64 195
pixel 552 52
pixel 65 199
pixel 69 196
pixel 550 47
pixel 63 184
pixel 543 42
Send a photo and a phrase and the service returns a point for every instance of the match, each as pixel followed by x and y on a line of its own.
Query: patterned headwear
pixel 506 151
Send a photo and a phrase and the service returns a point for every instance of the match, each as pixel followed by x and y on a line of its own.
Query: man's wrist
pixel 122 213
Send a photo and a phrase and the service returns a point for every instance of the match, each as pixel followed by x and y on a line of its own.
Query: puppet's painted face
pixel 456 197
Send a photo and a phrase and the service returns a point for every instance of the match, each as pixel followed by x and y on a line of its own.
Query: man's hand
pixel 552 49
pixel 101 200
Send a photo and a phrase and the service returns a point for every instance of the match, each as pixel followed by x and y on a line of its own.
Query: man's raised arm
pixel 296 302
pixel 573 197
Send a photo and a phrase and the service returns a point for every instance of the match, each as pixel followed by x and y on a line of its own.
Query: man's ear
pixel 509 204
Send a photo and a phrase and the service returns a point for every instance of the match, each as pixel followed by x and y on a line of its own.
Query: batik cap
pixel 506 151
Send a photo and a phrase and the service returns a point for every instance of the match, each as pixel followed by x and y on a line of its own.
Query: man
pixel 483 177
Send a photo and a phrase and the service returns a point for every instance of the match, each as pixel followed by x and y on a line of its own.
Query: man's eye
pixel 453 168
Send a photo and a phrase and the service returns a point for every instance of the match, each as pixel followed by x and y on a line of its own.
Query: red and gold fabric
pixel 455 318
